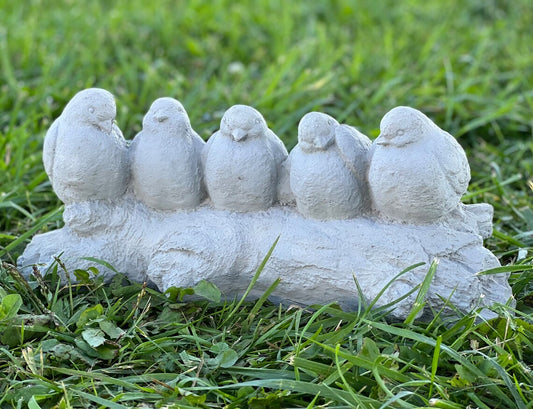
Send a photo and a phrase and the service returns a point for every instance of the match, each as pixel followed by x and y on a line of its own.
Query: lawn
pixel 466 64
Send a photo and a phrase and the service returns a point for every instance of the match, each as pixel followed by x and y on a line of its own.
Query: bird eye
pixel 91 109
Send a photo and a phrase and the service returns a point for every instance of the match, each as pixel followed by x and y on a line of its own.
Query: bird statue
pixel 242 162
pixel 328 169
pixel 418 172
pixel 165 159
pixel 84 154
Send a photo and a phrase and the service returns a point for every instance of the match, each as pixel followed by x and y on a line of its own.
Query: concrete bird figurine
pixel 242 162
pixel 165 159
pixel 328 169
pixel 85 154
pixel 418 172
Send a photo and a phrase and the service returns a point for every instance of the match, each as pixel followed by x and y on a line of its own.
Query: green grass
pixel 467 64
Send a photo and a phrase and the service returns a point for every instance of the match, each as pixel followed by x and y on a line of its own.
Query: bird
pixel 85 154
pixel 165 159
pixel 418 172
pixel 328 169
pixel 242 162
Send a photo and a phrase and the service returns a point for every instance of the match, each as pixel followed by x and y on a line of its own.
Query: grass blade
pixel 435 364
pixel 252 283
pixel 424 288
pixel 506 269
pixel 101 401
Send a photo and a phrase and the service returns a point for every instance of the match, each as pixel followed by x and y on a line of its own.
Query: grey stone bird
pixel 242 162
pixel 418 172
pixel 84 153
pixel 328 169
pixel 165 159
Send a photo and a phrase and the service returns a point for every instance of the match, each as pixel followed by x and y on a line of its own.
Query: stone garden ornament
pixel 173 210
pixel 165 159
pixel 328 169
pixel 85 154
pixel 418 172
pixel 242 162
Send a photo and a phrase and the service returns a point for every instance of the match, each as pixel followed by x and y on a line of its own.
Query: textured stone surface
pixel 316 260
pixel 165 159
pixel 418 172
pixel 328 169
pixel 343 209
pixel 242 162
pixel 84 153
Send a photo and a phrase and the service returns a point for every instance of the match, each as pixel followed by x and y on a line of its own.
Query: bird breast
pixel 166 171
pixel 323 186
pixel 410 184
pixel 241 176
pixel 89 165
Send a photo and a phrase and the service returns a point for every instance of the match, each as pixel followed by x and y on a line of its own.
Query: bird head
pixel 94 107
pixel 165 113
pixel 402 126
pixel 316 132
pixel 242 122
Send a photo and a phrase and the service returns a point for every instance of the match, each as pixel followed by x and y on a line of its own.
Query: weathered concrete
pixel 335 225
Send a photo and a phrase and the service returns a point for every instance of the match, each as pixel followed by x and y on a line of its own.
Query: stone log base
pixel 316 261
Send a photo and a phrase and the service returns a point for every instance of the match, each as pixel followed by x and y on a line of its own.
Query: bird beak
pixel 239 135
pixel 106 125
pixel 322 142
pixel 305 146
pixel 383 140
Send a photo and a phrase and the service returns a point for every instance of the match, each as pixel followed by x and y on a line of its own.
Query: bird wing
pixel 119 137
pixel 199 145
pixel 277 148
pixel 353 147
pixel 284 191
pixel 206 148
pixel 452 159
pixel 49 148
pixel 134 144
pixel 281 157
pixel 198 142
